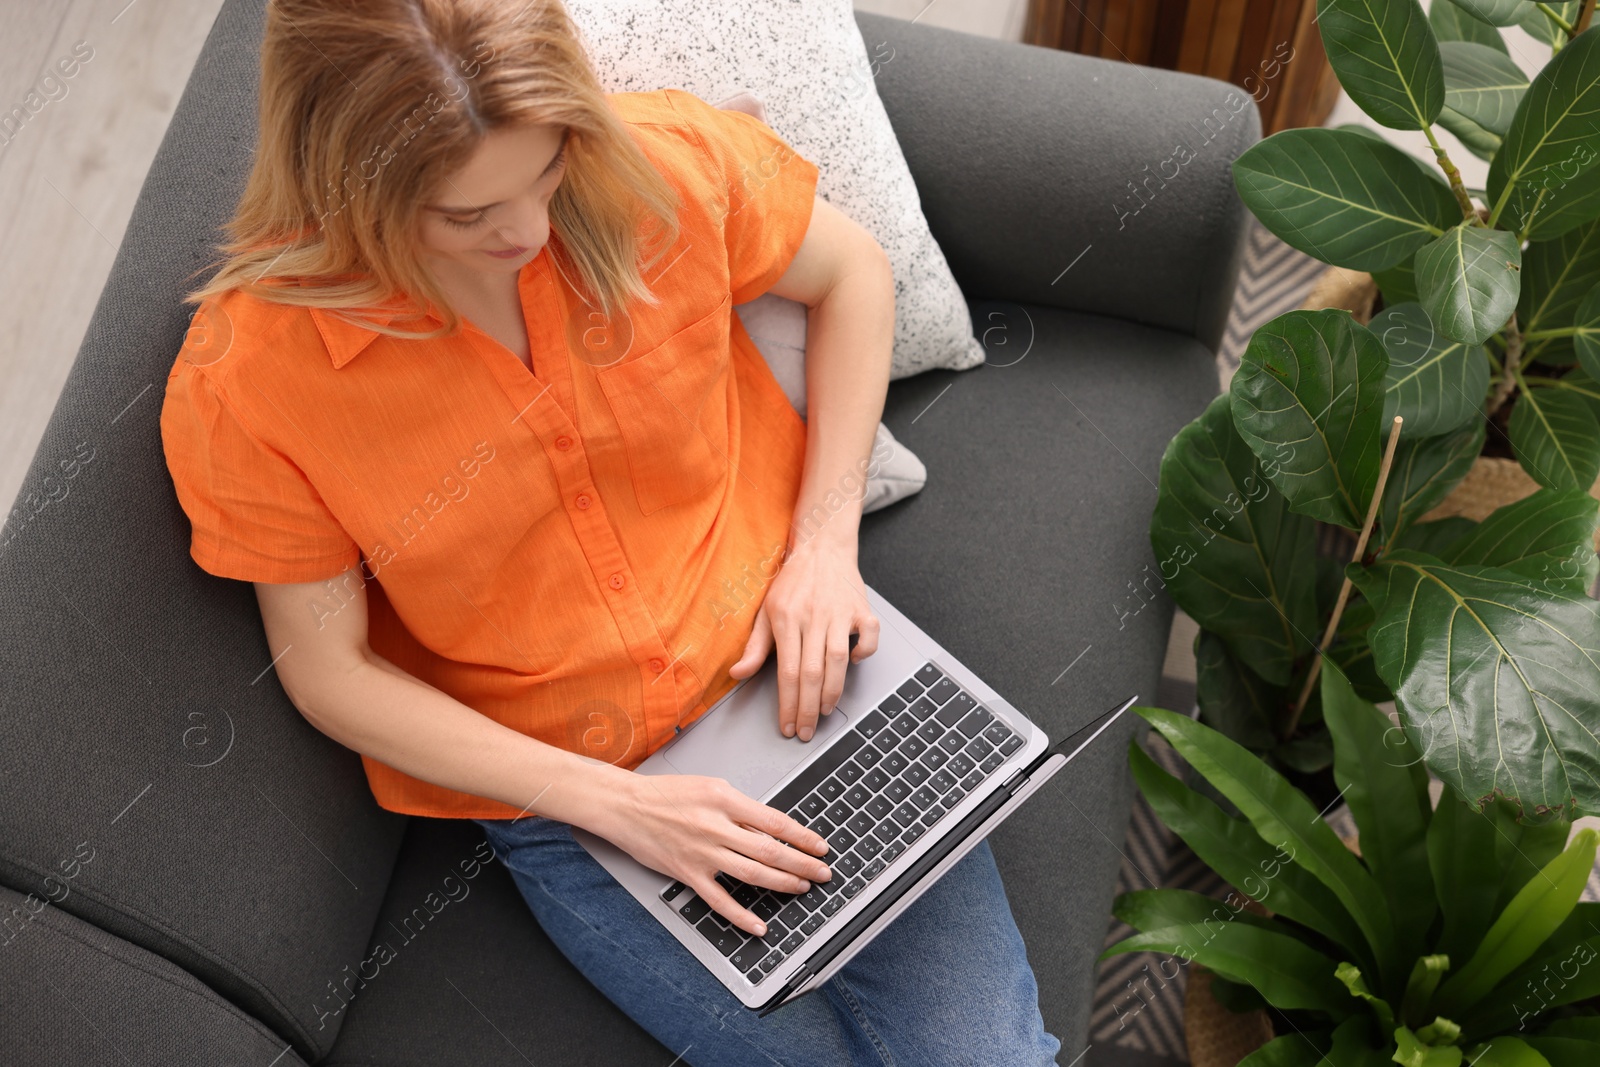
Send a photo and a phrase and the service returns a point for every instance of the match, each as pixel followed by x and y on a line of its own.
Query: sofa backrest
pixel 155 780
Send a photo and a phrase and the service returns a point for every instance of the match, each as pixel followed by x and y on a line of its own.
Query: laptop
pixel 917 763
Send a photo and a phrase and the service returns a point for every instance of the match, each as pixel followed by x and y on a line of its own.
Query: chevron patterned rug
pixel 1137 1017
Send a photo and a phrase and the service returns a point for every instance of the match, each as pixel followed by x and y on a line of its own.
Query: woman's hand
pixel 691 827
pixel 816 600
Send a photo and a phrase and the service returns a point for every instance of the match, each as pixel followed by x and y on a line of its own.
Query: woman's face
pixel 492 215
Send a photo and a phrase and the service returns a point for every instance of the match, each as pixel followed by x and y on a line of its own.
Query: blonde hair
pixel 367 106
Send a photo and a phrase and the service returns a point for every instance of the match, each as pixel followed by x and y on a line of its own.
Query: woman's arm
pixel 843 276
pixel 686 826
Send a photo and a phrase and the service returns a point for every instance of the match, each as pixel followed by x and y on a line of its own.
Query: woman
pixel 467 402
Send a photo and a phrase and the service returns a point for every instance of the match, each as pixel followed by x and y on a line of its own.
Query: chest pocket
pixel 670 403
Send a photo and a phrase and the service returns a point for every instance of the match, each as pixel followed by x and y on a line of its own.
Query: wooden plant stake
pixel 1344 590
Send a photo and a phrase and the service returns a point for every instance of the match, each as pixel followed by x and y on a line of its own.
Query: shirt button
pixel 657 665
pixel 563 442
pixel 616 581
pixel 583 500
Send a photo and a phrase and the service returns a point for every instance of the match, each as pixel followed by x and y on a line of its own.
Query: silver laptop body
pixel 738 740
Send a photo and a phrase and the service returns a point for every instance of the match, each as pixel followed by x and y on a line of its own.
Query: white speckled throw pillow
pixel 806 61
pixel 778 328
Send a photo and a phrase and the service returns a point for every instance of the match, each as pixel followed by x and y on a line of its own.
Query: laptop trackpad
pixel 739 740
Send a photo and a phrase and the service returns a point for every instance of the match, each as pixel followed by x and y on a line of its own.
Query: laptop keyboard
pixel 881 785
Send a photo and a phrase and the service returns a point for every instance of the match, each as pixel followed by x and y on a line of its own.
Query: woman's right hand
pixel 691 827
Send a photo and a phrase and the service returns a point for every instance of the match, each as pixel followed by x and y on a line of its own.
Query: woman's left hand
pixel 814 603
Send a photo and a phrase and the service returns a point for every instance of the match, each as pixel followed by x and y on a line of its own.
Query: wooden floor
pixel 69 177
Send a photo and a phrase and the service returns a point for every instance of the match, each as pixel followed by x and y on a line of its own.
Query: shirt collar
pixel 345 339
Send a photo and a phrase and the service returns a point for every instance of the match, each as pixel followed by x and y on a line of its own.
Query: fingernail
pixel 805 886
pixel 805 735
pixel 788 730
pixel 761 929
pixel 825 876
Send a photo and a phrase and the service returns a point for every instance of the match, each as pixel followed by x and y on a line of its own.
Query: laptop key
pixel 886 741
pixel 956 709
pixel 927 674
pixel 841 840
pixel 765 908
pixel 874 869
pixel 1012 744
pixel 934 758
pixel 910 689
pixel 971 781
pixel 861 822
pixel 914 831
pixel 896 791
pixel 695 910
pixel 942 690
pixel 850 773
pixel 820 825
pixel 749 954
pixel 871 723
pixel 833 905
pixel 912 747
pixel 813 898
pixel 813 806
pixel 930 731
pixel 952 798
pixel 875 780
pixel 670 893
pixel 892 705
pixel 973 724
pixel 952 742
pixel 978 748
pixel 795 940
pixel 868 847
pixel 887 831
pixel 942 783
pixel 774 958
pixel 960 765
pixel 878 807
pixel 848 865
pixel 775 934
pixel 924 798
pixel 838 813
pixel 813 924
pixel 746 894
pixel 724 941
pixel 907 814
pixel 853 886
pixel 792 916
pixel 990 762
pixel 997 733
pixel 868 756
pixel 832 789
pixel 892 853
pixel 893 764
pixel 921 708
pixel 904 724
pixel 934 814
pixel 857 795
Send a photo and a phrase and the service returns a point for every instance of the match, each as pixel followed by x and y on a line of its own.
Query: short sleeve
pixel 255 515
pixel 771 191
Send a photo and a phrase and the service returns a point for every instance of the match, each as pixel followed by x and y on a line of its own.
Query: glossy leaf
pixel 1547 536
pixel 1386 58
pixel 1558 115
pixel 1497 679
pixel 1556 438
pixel 1586 342
pixel 1347 199
pixel 1235 550
pixel 1581 1027
pixel 1436 537
pixel 1291 1050
pixel 1284 818
pixel 1435 383
pixel 1398 284
pixel 1234 849
pixel 1479 141
pixel 1426 974
pixel 1353 1045
pixel 1507 1051
pixel 1533 915
pixel 1424 471
pixel 1286 971
pixel 1451 23
pixel 1412 1052
pixel 1155 909
pixel 1482 83
pixel 1541 27
pixel 1380 776
pixel 1560 972
pixel 1233 698
pixel 1557 274
pixel 1350 975
pixel 1469 280
pixel 1307 399
pixel 1494 12
pixel 1566 1051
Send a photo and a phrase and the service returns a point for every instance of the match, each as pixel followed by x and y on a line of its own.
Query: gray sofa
pixel 191 874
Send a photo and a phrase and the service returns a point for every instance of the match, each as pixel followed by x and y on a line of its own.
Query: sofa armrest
pixel 1071 181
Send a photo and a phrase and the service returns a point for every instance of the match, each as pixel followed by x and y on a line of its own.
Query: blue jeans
pixel 947 984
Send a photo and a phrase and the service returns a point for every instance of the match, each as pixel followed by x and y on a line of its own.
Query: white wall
pixel 988 18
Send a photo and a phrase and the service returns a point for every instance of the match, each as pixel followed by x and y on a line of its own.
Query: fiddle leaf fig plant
pixel 1455 937
pixel 1489 338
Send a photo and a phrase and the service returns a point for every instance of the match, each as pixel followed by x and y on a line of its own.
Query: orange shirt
pixel 575 552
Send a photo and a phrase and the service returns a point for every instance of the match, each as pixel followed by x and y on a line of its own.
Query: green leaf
pixel 1235 551
pixel 1469 280
pixel 1425 976
pixel 1548 536
pixel 1353 1045
pixel 1386 58
pixel 1494 12
pixel 1439 1032
pixel 1586 343
pixel 1347 199
pixel 1283 969
pixel 1412 1052
pixel 1234 849
pixel 1556 438
pixel 1307 399
pixel 1398 284
pixel 1155 909
pixel 1291 1050
pixel 1436 537
pixel 1559 112
pixel 1557 274
pixel 1233 698
pixel 1424 471
pixel 1579 1027
pixel 1542 28
pixel 1533 915
pixel 1559 973
pixel 1452 23
pixel 1482 84
pixel 1284 818
pixel 1350 975
pixel 1566 1051
pixel 1436 384
pixel 1382 781
pixel 1507 1052
pixel 1496 679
